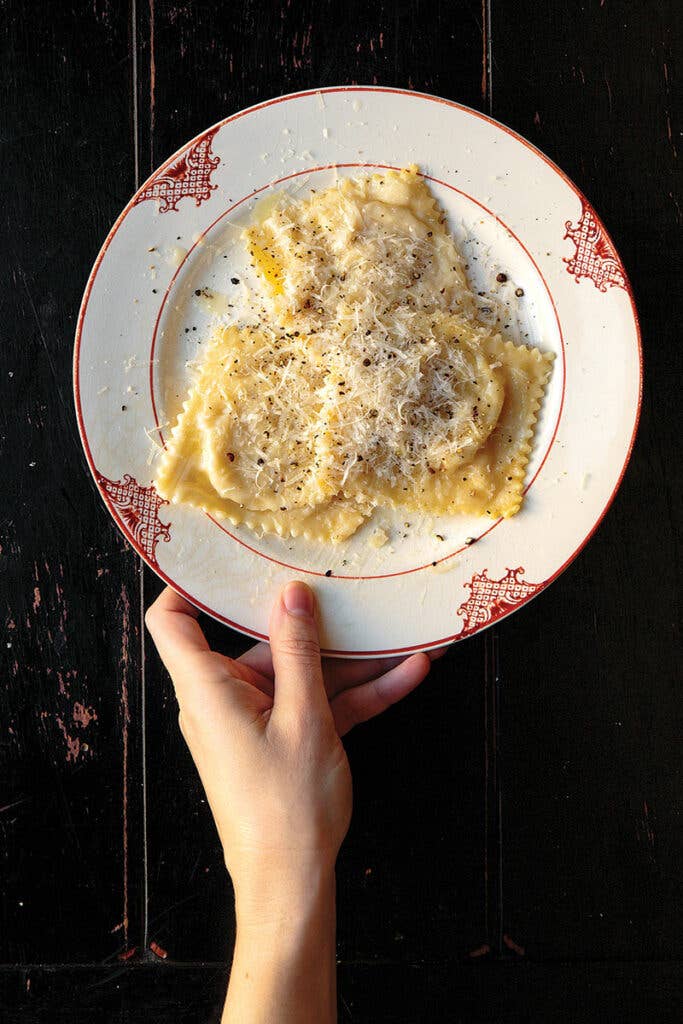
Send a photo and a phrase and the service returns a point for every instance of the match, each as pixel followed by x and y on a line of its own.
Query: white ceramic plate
pixel 513 210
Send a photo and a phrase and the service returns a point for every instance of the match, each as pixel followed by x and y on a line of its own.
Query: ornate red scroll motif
pixel 138 508
pixel 490 599
pixel 189 175
pixel 595 256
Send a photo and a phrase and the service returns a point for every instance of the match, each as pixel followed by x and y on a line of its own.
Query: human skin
pixel 265 734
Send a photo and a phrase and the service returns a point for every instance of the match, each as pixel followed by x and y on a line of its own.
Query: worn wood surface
pixel 515 845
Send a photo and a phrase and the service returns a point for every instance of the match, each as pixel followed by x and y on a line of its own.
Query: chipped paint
pixel 479 951
pixel 83 716
pixel 514 946
pixel 74 747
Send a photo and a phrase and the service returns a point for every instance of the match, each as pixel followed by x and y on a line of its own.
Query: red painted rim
pixel 301 95
pixel 272 184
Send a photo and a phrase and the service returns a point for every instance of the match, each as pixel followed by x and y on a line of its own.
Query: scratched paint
pixel 152 88
pixel 124 667
pixel 73 723
pixel 69 727
pixel 645 831
pixel 486 56
pixel 301 48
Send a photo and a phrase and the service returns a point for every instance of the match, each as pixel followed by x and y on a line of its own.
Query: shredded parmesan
pixel 367 372
pixel 354 271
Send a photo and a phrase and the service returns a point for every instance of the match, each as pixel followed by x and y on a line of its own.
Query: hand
pixel 264 729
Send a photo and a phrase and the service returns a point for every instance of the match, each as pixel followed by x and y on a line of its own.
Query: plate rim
pixel 301 94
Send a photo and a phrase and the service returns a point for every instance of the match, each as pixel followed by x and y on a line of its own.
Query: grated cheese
pixel 364 373
pixel 397 359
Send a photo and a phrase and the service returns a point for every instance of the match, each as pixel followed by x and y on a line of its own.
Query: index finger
pixel 172 623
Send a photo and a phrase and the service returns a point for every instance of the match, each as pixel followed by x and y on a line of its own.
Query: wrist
pixel 270 895
pixel 284 957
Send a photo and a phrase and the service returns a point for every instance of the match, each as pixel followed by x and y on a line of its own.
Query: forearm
pixel 284 967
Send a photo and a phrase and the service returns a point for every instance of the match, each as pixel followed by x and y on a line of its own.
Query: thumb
pixel 295 649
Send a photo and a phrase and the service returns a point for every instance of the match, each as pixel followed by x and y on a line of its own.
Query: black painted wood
pixel 514 849
pixel 491 992
pixel 591 800
pixel 69 656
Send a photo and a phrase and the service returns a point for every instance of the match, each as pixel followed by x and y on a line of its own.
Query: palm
pixel 356 690
pixel 256 667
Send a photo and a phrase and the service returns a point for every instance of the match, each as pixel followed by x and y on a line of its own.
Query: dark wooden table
pixel 515 848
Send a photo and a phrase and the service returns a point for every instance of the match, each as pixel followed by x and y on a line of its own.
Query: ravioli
pixel 368 381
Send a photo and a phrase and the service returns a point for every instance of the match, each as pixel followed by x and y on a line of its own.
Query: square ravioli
pixel 369 379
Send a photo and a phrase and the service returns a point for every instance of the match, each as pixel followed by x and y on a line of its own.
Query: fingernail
pixel 298 599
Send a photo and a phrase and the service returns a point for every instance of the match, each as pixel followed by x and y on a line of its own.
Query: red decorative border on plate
pixel 490 599
pixel 138 510
pixel 187 175
pixel 595 257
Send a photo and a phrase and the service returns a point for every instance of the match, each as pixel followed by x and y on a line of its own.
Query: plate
pixel 167 268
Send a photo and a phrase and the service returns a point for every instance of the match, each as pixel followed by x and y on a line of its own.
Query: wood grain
pixel 68 583
pixel 516 837
pixel 592 785
pixel 491 992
